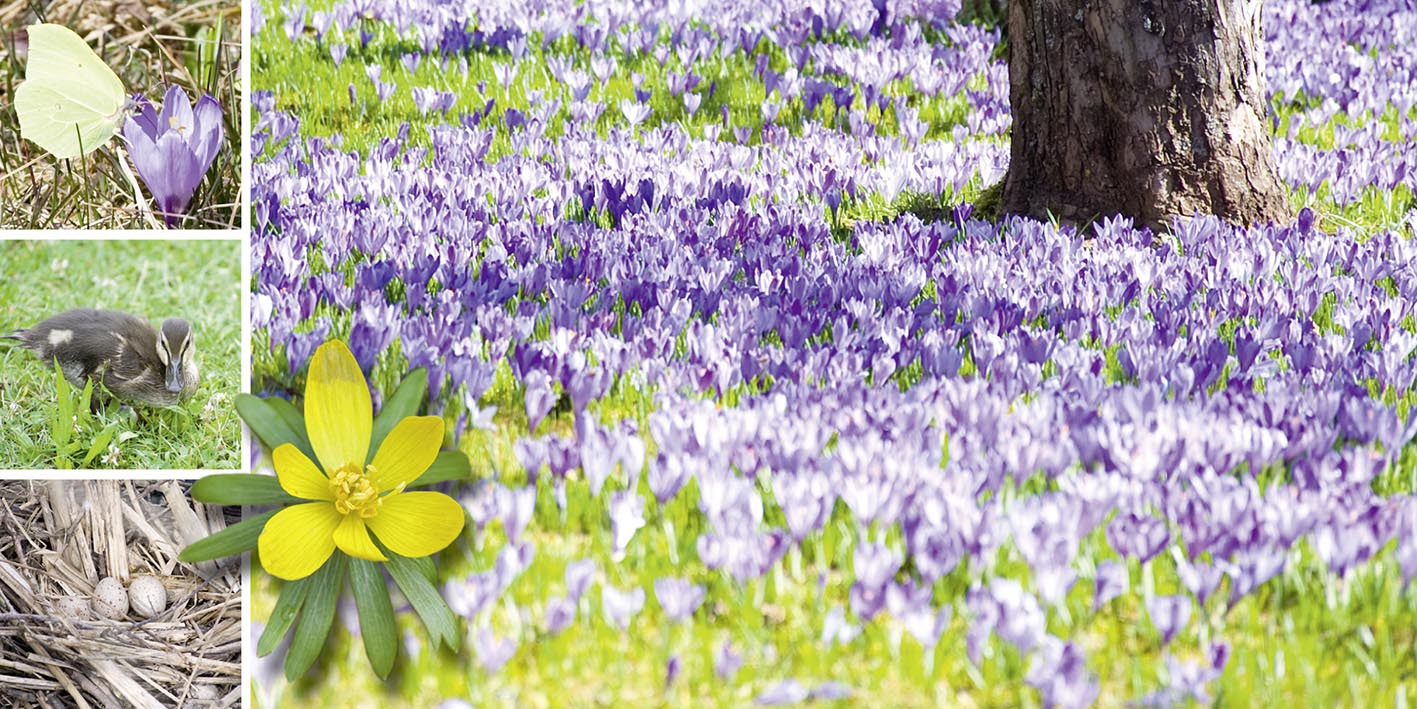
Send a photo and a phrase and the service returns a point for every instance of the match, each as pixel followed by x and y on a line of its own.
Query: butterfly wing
pixel 70 102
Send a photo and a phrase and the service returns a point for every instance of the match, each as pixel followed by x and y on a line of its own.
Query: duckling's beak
pixel 174 375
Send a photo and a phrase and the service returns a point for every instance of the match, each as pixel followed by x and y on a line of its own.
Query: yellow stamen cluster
pixel 354 491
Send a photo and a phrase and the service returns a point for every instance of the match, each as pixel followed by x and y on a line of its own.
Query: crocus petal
pixel 417 524
pixel 169 170
pixel 338 411
pixel 139 136
pixel 298 540
pixel 176 111
pixel 207 134
pixel 181 174
pixel 407 451
pixel 299 476
pixel 352 537
pixel 145 116
pixel 142 148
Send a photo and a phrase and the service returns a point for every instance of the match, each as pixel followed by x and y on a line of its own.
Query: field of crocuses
pixel 764 413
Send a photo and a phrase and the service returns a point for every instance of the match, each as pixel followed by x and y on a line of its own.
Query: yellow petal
pixel 338 412
pixel 417 523
pixel 407 451
pixel 299 475
pixel 298 540
pixel 352 537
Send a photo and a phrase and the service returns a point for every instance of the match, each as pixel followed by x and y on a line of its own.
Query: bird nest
pixel 58 539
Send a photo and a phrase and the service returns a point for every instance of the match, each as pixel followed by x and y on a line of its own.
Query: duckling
pixel 121 351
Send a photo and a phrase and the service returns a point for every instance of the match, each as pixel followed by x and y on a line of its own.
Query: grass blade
pixel 82 413
pixel 236 539
pixel 376 615
pixel 312 630
pixel 100 442
pixel 61 428
pixel 241 489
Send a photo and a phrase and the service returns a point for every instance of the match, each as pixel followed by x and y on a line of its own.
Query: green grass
pixel 196 46
pixel 290 71
pixel 198 280
pixel 1306 638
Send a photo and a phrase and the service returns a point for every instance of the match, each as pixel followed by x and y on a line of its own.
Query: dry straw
pixel 58 539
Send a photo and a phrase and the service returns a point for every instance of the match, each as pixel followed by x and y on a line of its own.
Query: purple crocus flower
pixel 627 516
pixel 1200 578
pixel 1407 547
pixel 1169 614
pixel 382 88
pixel 1139 536
pixel 512 560
pixel 678 597
pixel 726 661
pixel 540 397
pixel 1111 582
pixel 788 691
pixel 666 476
pixel 173 148
pixel 635 113
pixel 1059 671
pixel 830 692
pixel 875 565
pixel 560 613
pixel 671 671
pixel 578 577
pixel 1188 679
pixel 471 596
pixel 515 507
pixel 923 622
pixel 621 607
pixel 493 651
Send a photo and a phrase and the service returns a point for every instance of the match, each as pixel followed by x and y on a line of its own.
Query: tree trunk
pixel 1147 108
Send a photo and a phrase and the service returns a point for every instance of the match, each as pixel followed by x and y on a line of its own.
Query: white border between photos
pixel 248 657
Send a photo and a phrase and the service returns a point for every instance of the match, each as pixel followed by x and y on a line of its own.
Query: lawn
pixel 199 280
pixel 192 45
pixel 718 297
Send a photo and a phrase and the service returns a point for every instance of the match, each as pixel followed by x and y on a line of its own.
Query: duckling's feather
pixel 116 348
pixel 85 341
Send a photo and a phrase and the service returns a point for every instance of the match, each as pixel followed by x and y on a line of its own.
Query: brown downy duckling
pixel 121 351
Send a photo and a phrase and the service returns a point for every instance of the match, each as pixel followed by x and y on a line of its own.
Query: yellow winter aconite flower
pixel 351 499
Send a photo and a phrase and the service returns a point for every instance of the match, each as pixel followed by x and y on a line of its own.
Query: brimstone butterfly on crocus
pixel 71 102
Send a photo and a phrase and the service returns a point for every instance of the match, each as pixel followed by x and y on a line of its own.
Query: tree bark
pixel 1147 108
